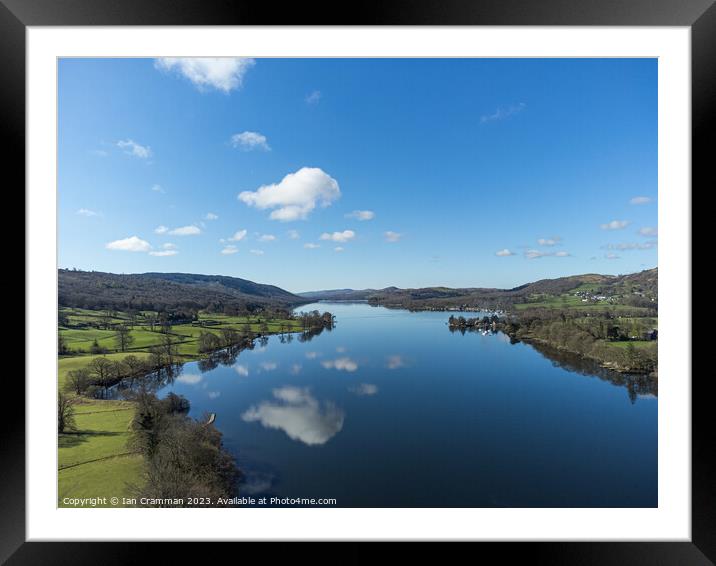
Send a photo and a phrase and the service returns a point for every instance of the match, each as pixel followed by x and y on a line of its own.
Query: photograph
pixel 357 282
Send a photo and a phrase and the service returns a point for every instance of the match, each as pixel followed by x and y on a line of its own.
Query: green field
pixel 94 460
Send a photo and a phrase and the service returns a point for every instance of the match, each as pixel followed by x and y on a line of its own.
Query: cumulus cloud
pixel 341 364
pixel 130 147
pixel 161 230
pixel 185 231
pixel 87 212
pixel 536 254
pixel 267 238
pixel 364 389
pixel 342 237
pixel 338 249
pixel 211 216
pixel 391 236
pixel 238 236
pixel 649 231
pixel 311 246
pixel 504 252
pixel 611 256
pixel 313 98
pixel 503 112
pixel 296 412
pixel 361 215
pixel 615 225
pixel 131 244
pixel 293 234
pixel 549 241
pixel 256 252
pixel 242 370
pixel 229 250
pixel 164 253
pixel 248 141
pixel 631 246
pixel 640 200
pixel 220 73
pixel 296 195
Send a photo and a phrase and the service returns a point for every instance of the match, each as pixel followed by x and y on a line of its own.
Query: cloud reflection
pixel 395 362
pixel 299 415
pixel 341 364
pixel 242 370
pixel 364 389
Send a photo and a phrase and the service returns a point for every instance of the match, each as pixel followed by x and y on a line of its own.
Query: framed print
pixel 390 279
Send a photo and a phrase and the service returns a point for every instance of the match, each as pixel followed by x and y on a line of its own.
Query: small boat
pixel 212 418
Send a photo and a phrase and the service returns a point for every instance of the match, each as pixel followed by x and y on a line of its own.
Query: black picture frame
pixel 699 15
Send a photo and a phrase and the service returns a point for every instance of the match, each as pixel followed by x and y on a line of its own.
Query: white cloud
pixel 221 73
pixel 314 97
pixel 250 140
pixel 549 241
pixel 158 189
pixel 238 236
pixel 211 216
pixel 311 246
pixel 338 249
pixel 296 195
pixel 299 415
pixel 229 250
pixel 293 234
pixel 631 246
pixel 161 230
pixel 131 244
pixel 87 212
pixel 503 112
pixel 649 231
pixel 361 215
pixel 615 225
pixel 214 394
pixel 242 370
pixel 640 200
pixel 535 254
pixel 364 389
pixel 256 252
pixel 169 246
pixel 504 252
pixel 267 238
pixel 99 152
pixel 341 364
pixel 164 253
pixel 185 231
pixel 391 236
pixel 131 147
pixel 611 256
pixel 312 355
pixel 268 366
pixel 342 237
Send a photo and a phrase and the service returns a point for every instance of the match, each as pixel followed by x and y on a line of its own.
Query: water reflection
pixel 364 389
pixel 395 362
pixel 341 364
pixel 299 415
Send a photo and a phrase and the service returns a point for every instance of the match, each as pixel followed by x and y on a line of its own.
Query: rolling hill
pixel 168 291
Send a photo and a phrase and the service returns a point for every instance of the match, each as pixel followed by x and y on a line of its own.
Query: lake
pixel 392 409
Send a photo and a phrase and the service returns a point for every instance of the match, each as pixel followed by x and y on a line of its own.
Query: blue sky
pixel 331 173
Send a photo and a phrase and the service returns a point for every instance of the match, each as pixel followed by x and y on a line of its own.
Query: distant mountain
pixel 633 286
pixel 168 291
pixel 338 295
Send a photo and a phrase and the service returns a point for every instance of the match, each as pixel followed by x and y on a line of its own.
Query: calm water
pixel 392 409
